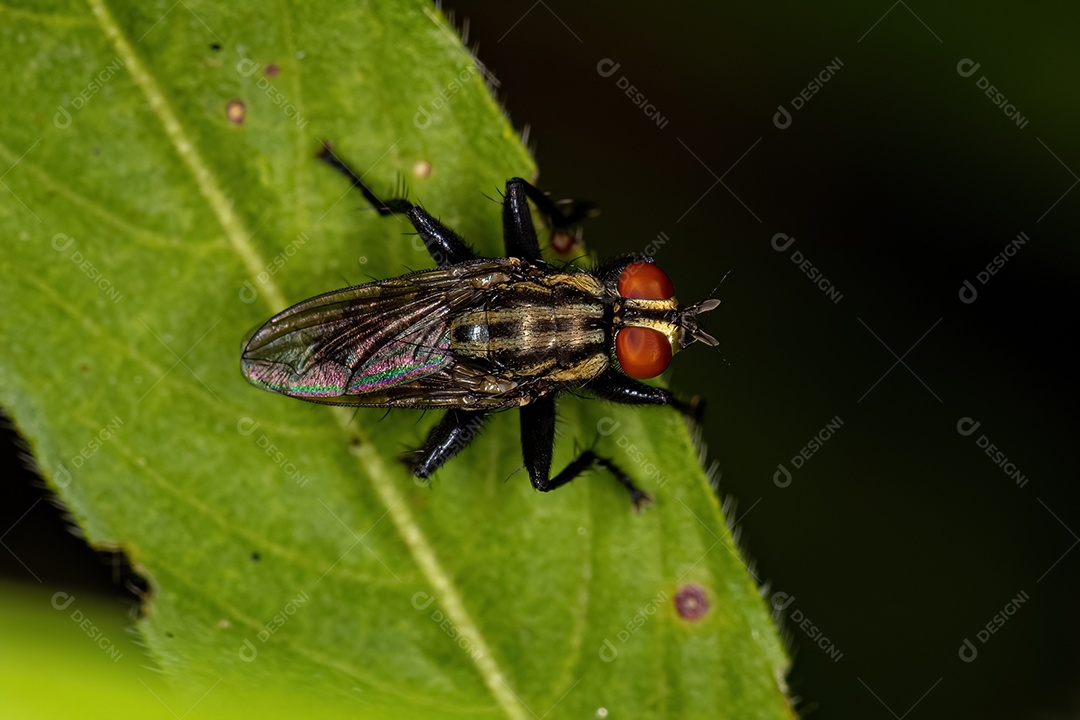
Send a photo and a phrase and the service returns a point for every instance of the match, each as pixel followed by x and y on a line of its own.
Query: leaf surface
pixel 146 231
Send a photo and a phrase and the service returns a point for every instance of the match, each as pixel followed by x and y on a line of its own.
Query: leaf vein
pixel 205 180
pixel 404 521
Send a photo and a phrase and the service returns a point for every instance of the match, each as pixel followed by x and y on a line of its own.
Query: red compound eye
pixel 645 281
pixel 642 352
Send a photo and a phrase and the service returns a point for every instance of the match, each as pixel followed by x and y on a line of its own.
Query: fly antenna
pixel 717 286
pixel 689 323
pixel 703 337
pixel 702 307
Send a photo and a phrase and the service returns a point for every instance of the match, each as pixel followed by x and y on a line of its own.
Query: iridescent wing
pixel 370 344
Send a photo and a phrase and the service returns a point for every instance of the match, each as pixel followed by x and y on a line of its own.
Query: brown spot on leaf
pixel 236 111
pixel 691 602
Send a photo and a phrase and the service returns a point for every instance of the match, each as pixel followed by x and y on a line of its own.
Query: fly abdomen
pixel 531 329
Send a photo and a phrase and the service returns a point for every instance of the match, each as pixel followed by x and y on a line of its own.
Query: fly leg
pixel 519 234
pixel 446 247
pixel 453 433
pixel 538 441
pixel 616 387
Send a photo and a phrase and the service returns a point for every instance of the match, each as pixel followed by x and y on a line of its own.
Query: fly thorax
pixel 549 328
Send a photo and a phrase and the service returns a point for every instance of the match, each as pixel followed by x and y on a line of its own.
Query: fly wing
pixel 367 339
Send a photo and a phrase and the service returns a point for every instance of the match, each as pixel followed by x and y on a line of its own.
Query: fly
pixel 477 335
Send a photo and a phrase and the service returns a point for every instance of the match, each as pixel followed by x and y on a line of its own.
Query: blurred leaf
pixel 69 654
pixel 161 199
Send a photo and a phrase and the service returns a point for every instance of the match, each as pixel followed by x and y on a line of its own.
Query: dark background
pixel 898 179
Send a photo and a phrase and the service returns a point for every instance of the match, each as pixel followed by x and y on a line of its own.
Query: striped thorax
pixel 550 327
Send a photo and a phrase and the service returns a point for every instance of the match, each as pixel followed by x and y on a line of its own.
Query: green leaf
pixel 145 232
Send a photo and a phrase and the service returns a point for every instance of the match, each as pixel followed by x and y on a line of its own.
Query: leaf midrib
pixel 404 523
